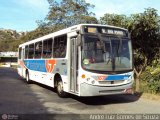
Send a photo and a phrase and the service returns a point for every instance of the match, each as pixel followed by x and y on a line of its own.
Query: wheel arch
pixel 58 84
pixel 57 77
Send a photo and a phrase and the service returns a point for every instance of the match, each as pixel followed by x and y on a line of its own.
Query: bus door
pixel 74 66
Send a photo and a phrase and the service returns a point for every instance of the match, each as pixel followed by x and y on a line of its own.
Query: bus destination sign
pixel 105 30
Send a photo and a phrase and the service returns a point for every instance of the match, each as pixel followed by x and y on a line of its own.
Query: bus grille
pixel 111 82
pixel 111 91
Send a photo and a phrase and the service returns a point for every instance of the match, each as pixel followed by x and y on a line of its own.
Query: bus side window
pixel 26 52
pixel 31 51
pixel 38 49
pixel 47 48
pixel 59 48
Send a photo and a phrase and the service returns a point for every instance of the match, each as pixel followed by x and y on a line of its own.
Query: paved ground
pixel 18 97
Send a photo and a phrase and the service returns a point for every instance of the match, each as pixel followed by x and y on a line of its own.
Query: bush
pixel 151 80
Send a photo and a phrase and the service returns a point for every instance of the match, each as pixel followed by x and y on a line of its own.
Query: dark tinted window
pixel 59 47
pixel 38 50
pixel 47 48
pixel 26 52
pixel 31 51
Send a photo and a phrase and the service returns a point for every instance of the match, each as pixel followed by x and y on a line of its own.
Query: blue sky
pixel 21 15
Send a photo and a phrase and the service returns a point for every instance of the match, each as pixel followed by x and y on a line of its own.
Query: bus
pixel 84 60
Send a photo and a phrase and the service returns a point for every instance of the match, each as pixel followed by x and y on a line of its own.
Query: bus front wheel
pixel 60 91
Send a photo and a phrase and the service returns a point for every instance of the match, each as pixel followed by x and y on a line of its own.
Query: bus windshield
pixel 106 54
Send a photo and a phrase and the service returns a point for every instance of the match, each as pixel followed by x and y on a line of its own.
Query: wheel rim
pixel 60 87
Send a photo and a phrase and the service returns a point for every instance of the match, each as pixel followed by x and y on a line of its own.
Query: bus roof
pixel 65 31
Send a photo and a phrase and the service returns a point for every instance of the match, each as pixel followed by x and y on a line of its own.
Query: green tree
pixel 4 46
pixel 145 35
pixel 69 12
pixel 115 19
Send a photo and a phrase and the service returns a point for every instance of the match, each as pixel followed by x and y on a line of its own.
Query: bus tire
pixel 27 78
pixel 60 91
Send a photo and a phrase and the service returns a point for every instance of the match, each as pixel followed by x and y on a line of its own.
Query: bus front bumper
pixel 91 90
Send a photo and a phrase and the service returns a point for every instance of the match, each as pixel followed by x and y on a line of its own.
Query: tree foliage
pixel 151 79
pixel 61 15
pixel 115 19
pixel 70 12
pixel 8 40
pixel 145 31
pixel 145 35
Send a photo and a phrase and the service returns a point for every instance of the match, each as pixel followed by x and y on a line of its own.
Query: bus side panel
pixel 43 71
pixel 37 70
pixel 61 68
pixel 36 76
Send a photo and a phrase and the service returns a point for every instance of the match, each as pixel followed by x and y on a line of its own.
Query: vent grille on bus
pixel 111 91
pixel 111 82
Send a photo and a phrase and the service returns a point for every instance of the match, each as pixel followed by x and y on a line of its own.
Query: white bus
pixel 84 60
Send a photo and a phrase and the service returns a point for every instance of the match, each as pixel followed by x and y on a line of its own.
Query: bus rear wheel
pixel 60 91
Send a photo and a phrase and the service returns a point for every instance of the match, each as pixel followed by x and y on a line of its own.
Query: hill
pixel 9 39
pixel 8 34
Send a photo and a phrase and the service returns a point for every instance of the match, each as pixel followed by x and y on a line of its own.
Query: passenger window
pixel 31 51
pixel 26 52
pixel 59 48
pixel 47 48
pixel 38 50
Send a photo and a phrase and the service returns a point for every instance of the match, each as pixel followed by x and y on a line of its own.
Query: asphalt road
pixel 19 98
